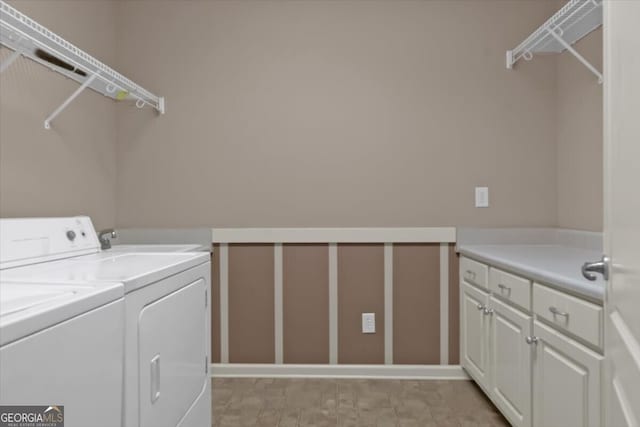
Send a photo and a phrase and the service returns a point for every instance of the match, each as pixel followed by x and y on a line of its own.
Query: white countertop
pixel 162 239
pixel 555 265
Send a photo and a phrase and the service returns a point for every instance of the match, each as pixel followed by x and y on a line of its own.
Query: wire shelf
pixel 573 21
pixel 28 38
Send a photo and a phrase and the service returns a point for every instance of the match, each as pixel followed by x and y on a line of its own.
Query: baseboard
pixel 422 372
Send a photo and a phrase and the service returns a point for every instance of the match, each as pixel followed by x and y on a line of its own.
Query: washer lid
pixel 17 297
pixel 26 308
pixel 134 270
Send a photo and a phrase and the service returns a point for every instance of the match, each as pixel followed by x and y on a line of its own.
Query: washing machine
pixel 61 345
pixel 167 325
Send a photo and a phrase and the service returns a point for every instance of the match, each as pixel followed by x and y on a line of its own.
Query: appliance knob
pixel 71 235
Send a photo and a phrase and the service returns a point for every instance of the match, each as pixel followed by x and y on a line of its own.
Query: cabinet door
pixel 566 381
pixel 474 333
pixel 510 357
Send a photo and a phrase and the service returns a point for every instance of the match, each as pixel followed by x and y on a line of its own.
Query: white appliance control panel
pixel 25 241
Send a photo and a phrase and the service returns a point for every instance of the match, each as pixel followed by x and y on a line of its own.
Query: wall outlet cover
pixel 482 197
pixel 368 323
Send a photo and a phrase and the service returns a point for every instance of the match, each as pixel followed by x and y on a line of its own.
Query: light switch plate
pixel 482 197
pixel 368 323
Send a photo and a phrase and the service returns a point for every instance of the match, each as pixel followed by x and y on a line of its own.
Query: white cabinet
pixel 474 333
pixel 528 348
pixel 568 313
pixel 510 362
pixel 566 381
pixel 510 288
pixel 474 272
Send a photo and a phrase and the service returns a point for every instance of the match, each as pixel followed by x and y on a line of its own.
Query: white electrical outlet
pixel 482 197
pixel 368 323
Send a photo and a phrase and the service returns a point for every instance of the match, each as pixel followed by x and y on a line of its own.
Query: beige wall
pixel 307 114
pixel 70 169
pixel 579 138
pixel 331 113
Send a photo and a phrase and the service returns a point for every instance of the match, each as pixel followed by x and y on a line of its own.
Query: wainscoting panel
pixel 251 303
pixel 306 303
pixel 294 297
pixel 416 304
pixel 360 290
pixel 215 304
pixel 454 306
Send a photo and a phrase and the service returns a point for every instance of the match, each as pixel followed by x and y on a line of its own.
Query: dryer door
pixel 172 355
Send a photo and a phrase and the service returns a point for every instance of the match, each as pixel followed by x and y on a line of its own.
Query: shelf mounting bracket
pixel 74 95
pixel 10 60
pixel 509 59
pixel 575 53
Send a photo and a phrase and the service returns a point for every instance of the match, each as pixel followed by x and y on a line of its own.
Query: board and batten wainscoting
pixel 288 302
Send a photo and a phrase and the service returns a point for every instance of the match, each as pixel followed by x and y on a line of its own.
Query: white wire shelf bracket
pixel 27 38
pixel 573 21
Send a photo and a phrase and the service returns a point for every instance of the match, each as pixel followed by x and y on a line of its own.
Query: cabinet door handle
pixel 480 307
pixel 531 340
pixel 488 311
pixel 504 288
pixel 557 312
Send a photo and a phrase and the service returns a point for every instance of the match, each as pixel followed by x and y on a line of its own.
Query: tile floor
pixel 329 402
